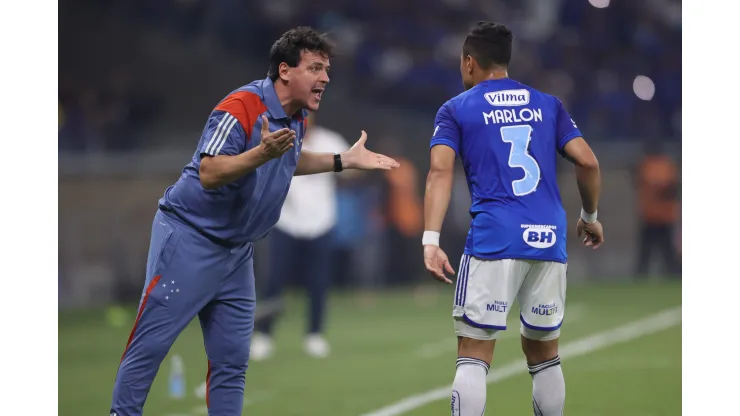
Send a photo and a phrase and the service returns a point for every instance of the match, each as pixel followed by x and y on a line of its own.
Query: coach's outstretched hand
pixel 278 142
pixel 437 263
pixel 358 157
pixel 592 233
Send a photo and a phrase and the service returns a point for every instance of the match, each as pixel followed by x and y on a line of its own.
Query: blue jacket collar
pixel 271 100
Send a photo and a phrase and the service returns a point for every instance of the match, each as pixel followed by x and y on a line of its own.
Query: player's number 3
pixel 518 137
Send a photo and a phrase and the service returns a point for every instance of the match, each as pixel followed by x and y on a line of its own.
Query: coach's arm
pixel 311 163
pixel 219 170
pixel 357 157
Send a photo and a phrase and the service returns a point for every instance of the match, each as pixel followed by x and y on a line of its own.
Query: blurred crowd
pixel 615 64
pixel 406 54
pixel 105 116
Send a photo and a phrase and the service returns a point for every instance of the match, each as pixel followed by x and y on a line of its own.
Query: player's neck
pixel 290 106
pixel 494 75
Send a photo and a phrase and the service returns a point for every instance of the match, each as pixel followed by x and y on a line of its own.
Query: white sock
pixel 469 387
pixel 548 388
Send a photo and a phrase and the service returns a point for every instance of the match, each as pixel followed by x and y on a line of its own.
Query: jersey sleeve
pixel 224 135
pixel 230 126
pixel 566 129
pixel 446 129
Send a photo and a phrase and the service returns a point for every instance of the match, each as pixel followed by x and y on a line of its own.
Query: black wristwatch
pixel 338 163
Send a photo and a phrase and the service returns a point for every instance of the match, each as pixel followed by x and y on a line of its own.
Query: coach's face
pixel 308 80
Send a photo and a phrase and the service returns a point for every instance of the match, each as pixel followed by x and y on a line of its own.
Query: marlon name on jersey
pixel 519 115
pixel 510 98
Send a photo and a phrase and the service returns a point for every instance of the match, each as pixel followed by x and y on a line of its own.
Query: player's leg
pixel 283 254
pixel 175 290
pixel 644 250
pixel 471 368
pixel 227 323
pixel 666 242
pixel 542 299
pixel 484 293
pixel 317 261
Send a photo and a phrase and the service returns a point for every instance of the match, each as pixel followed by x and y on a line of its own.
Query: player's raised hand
pixel 278 142
pixel 358 157
pixel 591 233
pixel 437 263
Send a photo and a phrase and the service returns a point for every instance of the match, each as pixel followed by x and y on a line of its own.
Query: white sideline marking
pixel 449 344
pixel 600 340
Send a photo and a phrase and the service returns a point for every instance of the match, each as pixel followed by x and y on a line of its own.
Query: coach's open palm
pixel 278 142
pixel 358 157
pixel 437 263
pixel 592 234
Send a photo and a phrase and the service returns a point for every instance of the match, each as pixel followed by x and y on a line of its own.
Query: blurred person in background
pixel 359 240
pixel 658 189
pixel 678 241
pixel 301 246
pixel 402 212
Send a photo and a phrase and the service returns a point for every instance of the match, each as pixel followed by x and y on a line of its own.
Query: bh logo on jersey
pixel 540 236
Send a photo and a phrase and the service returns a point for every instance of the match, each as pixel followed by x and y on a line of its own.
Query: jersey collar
pixel 271 100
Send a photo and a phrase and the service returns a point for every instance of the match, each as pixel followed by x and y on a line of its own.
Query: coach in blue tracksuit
pixel 228 196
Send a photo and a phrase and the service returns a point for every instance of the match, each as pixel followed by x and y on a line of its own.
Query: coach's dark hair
pixel 490 44
pixel 288 48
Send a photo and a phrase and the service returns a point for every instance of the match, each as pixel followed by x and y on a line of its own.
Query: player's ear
pixel 468 64
pixel 465 64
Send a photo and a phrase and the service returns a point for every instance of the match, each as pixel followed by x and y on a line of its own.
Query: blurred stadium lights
pixel 643 87
pixel 599 4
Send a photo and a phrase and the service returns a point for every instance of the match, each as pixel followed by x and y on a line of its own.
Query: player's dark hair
pixel 490 44
pixel 290 45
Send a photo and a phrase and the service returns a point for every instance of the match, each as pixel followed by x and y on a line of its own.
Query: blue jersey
pixel 508 136
pixel 246 209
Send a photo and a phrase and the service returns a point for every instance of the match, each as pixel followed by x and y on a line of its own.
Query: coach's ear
pixel 285 72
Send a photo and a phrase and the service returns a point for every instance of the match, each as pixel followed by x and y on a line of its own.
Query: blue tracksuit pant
pixel 189 275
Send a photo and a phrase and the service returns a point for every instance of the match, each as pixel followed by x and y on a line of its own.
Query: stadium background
pixel 137 79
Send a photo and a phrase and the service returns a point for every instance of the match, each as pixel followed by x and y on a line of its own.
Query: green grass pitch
pixel 399 346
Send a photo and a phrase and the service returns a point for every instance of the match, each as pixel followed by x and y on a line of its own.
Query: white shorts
pixel 486 290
